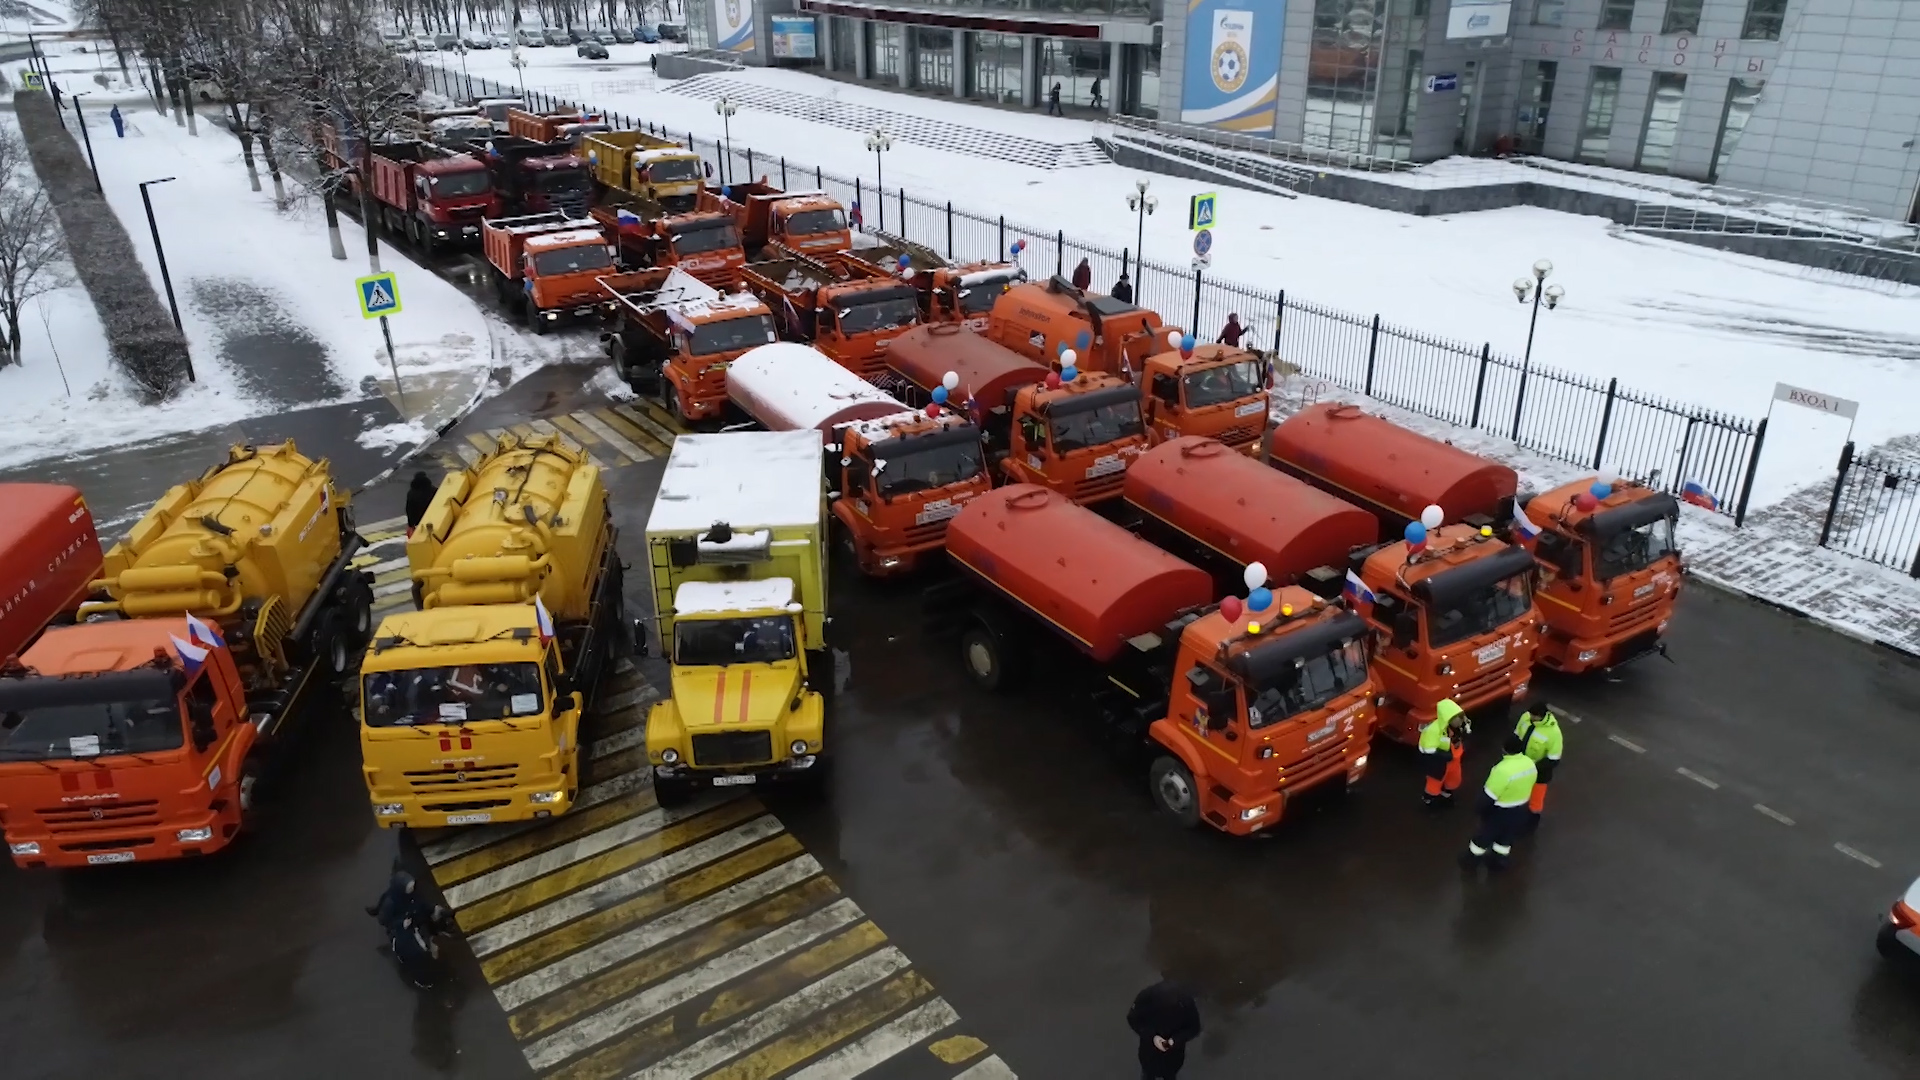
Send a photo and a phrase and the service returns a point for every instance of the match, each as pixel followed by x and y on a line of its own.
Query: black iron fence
pixel 1575 418
pixel 1874 512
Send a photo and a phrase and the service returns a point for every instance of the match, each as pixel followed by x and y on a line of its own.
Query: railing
pixel 1874 512
pixel 1289 152
pixel 1668 217
pixel 1565 415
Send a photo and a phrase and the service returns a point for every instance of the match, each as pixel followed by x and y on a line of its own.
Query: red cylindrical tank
pixel 791 387
pixel 1386 469
pixel 1244 510
pixel 988 373
pixel 1090 578
pixel 48 553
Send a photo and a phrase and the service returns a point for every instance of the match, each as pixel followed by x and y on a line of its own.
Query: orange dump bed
pixel 989 373
pixel 1094 581
pixel 48 554
pixel 1244 510
pixel 1393 472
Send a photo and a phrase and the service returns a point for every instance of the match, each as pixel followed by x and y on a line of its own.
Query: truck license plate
pixel 734 781
pixel 1106 466
pixel 109 857
pixel 1250 408
pixel 1644 590
pixel 936 511
pixel 1491 653
pixel 468 819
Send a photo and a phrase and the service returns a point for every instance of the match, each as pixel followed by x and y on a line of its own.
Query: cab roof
pixel 507 628
pixel 719 597
pixel 108 645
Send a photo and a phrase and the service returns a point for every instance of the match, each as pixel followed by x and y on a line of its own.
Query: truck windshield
pixel 764 639
pixel 731 335
pixel 467 182
pixel 710 237
pixel 1484 609
pixel 84 729
pixel 930 469
pixel 1094 427
pixel 673 170
pixel 572 260
pixel 810 222
pixel 887 314
pixel 1634 549
pixel 556 181
pixel 1219 385
pixel 978 299
pixel 1309 684
pixel 452 695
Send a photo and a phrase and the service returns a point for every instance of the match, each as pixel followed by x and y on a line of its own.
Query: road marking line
pixel 775 981
pixel 458 842
pixel 393 588
pixel 624 740
pixel 1710 785
pixel 391 564
pixel 615 439
pixel 567 854
pixel 1774 814
pixel 991 1069
pixel 382 541
pixel 483 443
pixel 638 695
pixel 662 414
pixel 605 1024
pixel 524 430
pixel 773 1019
pixel 579 431
pixel 1633 746
pixel 616 422
pixel 383 524
pixel 647 424
pixel 568 827
pixel 544 427
pixel 881 1044
pixel 468 455
pixel 623 666
pixel 1854 853
pixel 1561 713
pixel 957 1049
pixel 829 1028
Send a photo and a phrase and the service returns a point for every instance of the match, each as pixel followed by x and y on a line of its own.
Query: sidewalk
pixel 1774 559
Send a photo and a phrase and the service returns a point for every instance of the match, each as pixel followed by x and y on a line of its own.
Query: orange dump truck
pixel 560 125
pixel 547 267
pixel 704 244
pixel 837 304
pixel 897 475
pixel 1239 711
pixel 1076 437
pixel 1456 610
pixel 949 293
pixel 809 222
pixel 675 336
pixel 143 736
pixel 1038 319
pixel 49 555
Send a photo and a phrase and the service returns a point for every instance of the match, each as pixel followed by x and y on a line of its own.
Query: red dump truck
pixel 431 196
pixel 49 552
pixel 1239 711
pixel 533 177
pixel 548 268
pixel 809 222
pixel 1455 610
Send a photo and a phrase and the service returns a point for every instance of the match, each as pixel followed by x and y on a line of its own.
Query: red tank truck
pixel 1239 711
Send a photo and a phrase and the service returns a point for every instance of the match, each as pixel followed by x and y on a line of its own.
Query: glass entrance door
pixel 1662 125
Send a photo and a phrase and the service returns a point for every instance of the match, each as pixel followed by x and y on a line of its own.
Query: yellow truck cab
pixel 736 550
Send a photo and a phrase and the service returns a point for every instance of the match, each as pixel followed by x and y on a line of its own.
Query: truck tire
pixel 617 354
pixel 1174 790
pixel 247 791
pixel 672 793
pixel 535 322
pixel 987 658
pixel 359 607
pixel 331 648
pixel 674 406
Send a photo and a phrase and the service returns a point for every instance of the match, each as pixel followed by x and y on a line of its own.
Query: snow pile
pixel 406 433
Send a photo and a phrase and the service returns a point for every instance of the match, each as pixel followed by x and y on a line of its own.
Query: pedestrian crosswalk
pixel 614 435
pixel 626 939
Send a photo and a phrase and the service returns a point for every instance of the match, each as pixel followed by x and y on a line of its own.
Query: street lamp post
pixel 1536 289
pixel 726 107
pixel 165 277
pixel 520 70
pixel 1141 204
pixel 88 139
pixel 880 142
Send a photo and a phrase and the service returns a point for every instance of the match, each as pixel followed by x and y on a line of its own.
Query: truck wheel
pixel 617 353
pixel 360 613
pixel 671 793
pixel 674 406
pixel 330 644
pixel 535 322
pixel 986 658
pixel 249 792
pixel 1174 790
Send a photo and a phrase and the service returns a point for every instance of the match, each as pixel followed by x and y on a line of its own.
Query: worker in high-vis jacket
pixel 1442 742
pixel 1503 808
pixel 1543 745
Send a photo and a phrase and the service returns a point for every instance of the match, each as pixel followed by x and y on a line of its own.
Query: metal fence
pixel 1874 512
pixel 1576 418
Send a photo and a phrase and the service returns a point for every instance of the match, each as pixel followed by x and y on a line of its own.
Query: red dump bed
pixel 1093 580
pixel 791 387
pixel 1244 510
pixel 989 373
pixel 1386 469
pixel 48 554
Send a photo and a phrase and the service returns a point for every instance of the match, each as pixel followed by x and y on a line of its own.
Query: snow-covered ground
pixel 1679 321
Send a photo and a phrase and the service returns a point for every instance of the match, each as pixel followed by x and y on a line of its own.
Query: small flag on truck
pixel 204 635
pixel 1356 590
pixel 1696 493
pixel 1524 526
pixel 542 620
pixel 191 655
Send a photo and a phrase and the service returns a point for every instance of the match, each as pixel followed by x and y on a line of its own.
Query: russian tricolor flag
pixel 1696 493
pixel 1356 590
pixel 542 619
pixel 203 634
pixel 191 656
pixel 1523 525
pixel 627 217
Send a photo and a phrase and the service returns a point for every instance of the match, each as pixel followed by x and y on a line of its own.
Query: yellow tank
pixel 529 518
pixel 264 524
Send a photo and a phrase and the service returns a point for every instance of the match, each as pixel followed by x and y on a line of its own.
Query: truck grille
pixel 96 816
pixel 459 807
pixel 1482 688
pixel 1315 765
pixel 733 748
pixel 1629 621
pixel 1099 489
pixel 928 535
pixel 452 781
pixel 109 845
pixel 1240 436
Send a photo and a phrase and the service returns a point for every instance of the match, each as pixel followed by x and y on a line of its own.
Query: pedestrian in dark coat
pixel 1231 333
pixel 119 123
pixel 419 497
pixel 1166 1019
pixel 1053 101
pixel 1083 276
pixel 1122 289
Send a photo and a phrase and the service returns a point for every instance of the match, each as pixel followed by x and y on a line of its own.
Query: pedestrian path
pixel 612 435
pixel 625 939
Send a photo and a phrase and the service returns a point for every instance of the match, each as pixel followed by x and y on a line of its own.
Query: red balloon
pixel 1053 380
pixel 1186 354
pixel 1230 608
pixel 1585 501
pixel 933 409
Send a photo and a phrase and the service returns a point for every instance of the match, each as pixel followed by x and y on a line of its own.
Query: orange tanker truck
pixel 1241 707
pixel 1453 603
pixel 1039 319
pixel 143 737
pixel 49 556
pixel 897 475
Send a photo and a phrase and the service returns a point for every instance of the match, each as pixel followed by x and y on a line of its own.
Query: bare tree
pixel 230 41
pixel 33 256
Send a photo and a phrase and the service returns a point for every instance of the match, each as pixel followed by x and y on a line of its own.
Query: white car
pixel 477 41
pixel 1901 932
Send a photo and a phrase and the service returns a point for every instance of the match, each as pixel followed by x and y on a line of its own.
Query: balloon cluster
pixel 905 261
pixel 1068 361
pixel 1186 347
pixel 943 394
pixel 1416 532
pixel 1259 597
pixel 1016 248
pixel 726 192
pixel 940 395
pixel 1053 380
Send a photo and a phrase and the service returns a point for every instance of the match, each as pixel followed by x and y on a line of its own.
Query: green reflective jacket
pixel 1434 737
pixel 1511 781
pixel 1542 736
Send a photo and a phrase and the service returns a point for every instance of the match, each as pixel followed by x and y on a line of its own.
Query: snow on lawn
pixel 1683 322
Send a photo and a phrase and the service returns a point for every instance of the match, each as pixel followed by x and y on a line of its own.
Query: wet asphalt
pixel 1657 925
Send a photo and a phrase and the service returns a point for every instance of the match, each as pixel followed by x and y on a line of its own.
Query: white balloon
pixel 1255 576
pixel 951 380
pixel 1432 516
pixel 1068 357
pixel 1173 338
pixel 1609 477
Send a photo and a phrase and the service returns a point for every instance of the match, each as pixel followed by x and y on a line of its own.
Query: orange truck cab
pixel 835 303
pixel 1454 616
pixel 674 336
pixel 548 267
pixel 1238 711
pixel 1039 319
pixel 49 555
pixel 1219 392
pixel 704 244
pixel 809 222
pixel 948 293
pixel 896 475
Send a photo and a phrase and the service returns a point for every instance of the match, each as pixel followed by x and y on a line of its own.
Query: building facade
pixel 1813 99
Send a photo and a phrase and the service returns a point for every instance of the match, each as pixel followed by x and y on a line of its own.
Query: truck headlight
pixel 1588 654
pixel 553 316
pixel 1255 812
pixel 194 836
pixel 1519 688
pixel 28 848
pixel 546 796
pixel 799 747
pixel 1360 762
pixel 388 809
pixel 670 755
pixel 1445 669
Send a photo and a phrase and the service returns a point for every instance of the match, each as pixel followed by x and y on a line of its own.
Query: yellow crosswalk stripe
pixel 660 415
pixel 468 455
pixel 600 427
pixel 545 427
pixel 828 1029
pixel 571 426
pixel 524 430
pixel 653 421
pixel 620 425
pixel 391 524
pixel 570 827
pixel 483 443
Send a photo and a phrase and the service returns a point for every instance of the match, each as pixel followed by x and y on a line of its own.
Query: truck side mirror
pixel 639 637
pixel 200 719
pixel 1406 626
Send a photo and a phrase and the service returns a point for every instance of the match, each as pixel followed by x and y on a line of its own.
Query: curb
pixel 439 433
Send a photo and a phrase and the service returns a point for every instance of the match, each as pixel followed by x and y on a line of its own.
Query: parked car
pixel 477 41
pixel 502 41
pixel 646 35
pixel 577 35
pixel 532 39
pixel 592 50
pixel 446 42
pixel 1900 933
pixel 622 35
pixel 671 32
pixel 605 37
pixel 423 43
pixel 557 36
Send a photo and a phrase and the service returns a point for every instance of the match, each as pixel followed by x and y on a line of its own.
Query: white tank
pixel 791 387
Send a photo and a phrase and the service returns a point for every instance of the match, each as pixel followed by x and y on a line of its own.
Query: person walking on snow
pixel 1122 289
pixel 1053 101
pixel 1231 333
pixel 1083 276
pixel 1543 745
pixel 119 123
pixel 419 497
pixel 1096 93
pixel 1442 743
pixel 1503 808
pixel 1166 1019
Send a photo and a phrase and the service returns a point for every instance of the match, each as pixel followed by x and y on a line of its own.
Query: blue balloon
pixel 1601 489
pixel 1013 249
pixel 1069 373
pixel 1260 599
pixel 1416 533
pixel 726 192
pixel 940 395
pixel 1085 339
pixel 1186 342
pixel 905 260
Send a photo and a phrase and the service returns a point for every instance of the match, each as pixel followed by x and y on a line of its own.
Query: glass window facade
pixel 1763 20
pixel 843 37
pixel 1076 66
pixel 1549 12
pixel 996 68
pixel 1343 73
pixel 1742 96
pixel 1596 128
pixel 1616 14
pixel 1662 125
pixel 1536 101
pixel 1137 8
pixel 932 58
pixel 884 42
pixel 1464 141
pixel 1683 17
pixel 699 23
pixel 1143 90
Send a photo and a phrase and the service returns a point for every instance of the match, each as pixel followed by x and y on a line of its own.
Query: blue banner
pixel 1232 64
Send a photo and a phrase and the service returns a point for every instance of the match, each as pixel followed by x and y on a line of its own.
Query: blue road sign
pixel 379 295
pixel 1203 242
pixel 1200 211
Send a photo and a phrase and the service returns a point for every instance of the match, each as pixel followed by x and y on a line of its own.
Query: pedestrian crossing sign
pixel 379 295
pixel 1200 211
